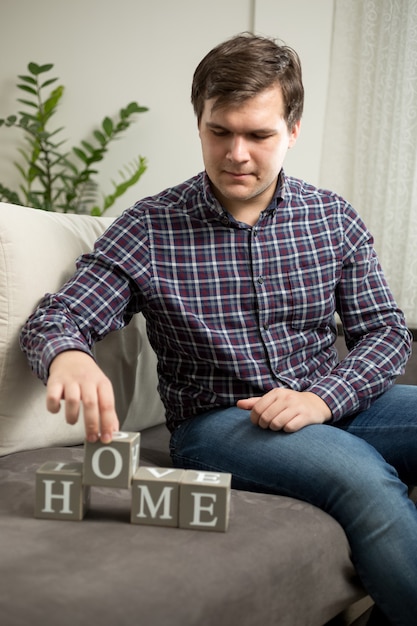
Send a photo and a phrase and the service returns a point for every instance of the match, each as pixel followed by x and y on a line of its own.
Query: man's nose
pixel 238 149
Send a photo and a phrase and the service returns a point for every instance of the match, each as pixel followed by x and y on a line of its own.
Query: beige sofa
pixel 282 562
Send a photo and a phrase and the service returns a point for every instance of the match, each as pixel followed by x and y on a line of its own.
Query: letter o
pixel 118 463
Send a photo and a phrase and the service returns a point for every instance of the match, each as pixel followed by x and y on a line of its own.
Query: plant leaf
pixel 57 130
pixel 122 125
pixel 35 171
pixel 139 169
pixel 26 117
pixel 21 170
pixel 51 103
pixel 48 82
pixel 132 107
pixel 36 69
pixel 28 79
pixel 100 137
pixel 88 146
pixel 28 89
pixel 80 154
pixel 108 126
pixel 28 103
pixel 96 156
pixel 8 195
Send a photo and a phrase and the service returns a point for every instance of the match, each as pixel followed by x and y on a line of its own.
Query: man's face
pixel 244 147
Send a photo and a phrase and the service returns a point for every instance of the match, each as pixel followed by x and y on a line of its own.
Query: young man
pixel 239 272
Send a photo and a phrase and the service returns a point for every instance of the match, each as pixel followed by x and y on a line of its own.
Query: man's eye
pixel 260 137
pixel 219 133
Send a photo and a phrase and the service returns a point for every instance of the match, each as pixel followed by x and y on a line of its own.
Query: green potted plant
pixel 54 179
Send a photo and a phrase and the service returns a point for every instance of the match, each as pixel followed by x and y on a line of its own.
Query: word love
pixel 160 496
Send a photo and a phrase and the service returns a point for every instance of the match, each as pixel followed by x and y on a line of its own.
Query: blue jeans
pixel 356 470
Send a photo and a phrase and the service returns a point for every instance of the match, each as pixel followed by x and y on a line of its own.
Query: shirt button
pixel 266 326
pixel 261 280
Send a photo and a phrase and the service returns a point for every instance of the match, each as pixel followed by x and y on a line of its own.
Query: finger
pixel 91 413
pixel 297 423
pixel 271 414
pixel 72 396
pixel 109 422
pixel 267 407
pixel 281 421
pixel 54 393
pixel 110 425
pixel 274 421
pixel 259 418
pixel 247 403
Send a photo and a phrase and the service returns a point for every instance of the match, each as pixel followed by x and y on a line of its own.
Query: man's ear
pixel 294 133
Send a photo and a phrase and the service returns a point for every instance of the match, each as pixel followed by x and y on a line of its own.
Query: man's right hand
pixel 76 378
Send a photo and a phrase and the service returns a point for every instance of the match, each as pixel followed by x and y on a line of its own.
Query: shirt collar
pixel 211 201
pixel 217 210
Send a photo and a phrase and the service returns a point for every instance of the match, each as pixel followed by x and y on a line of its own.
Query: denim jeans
pixel 356 470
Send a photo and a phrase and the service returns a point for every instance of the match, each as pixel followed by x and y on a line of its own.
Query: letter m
pixel 146 503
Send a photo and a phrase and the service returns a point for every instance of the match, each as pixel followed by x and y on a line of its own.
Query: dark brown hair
pixel 244 65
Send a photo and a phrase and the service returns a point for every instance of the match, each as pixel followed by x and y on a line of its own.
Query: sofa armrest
pixel 38 250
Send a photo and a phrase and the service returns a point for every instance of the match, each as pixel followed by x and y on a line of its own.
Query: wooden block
pixel 112 464
pixel 155 496
pixel 60 493
pixel 205 500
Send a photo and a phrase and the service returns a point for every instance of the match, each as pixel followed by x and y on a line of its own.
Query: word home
pixel 160 496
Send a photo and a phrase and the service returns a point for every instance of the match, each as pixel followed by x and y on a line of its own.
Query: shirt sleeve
pixel 98 299
pixel 376 335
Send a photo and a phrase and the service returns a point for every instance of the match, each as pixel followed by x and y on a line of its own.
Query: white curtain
pixel 370 142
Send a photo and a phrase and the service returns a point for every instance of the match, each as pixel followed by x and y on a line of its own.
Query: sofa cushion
pixel 37 254
pixel 281 562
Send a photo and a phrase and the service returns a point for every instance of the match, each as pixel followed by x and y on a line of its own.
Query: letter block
pixel 155 496
pixel 205 500
pixel 161 496
pixel 112 464
pixel 60 493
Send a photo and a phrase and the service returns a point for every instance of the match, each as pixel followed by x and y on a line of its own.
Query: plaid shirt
pixel 232 310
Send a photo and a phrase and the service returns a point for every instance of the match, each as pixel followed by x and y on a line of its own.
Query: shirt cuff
pixel 55 347
pixel 338 394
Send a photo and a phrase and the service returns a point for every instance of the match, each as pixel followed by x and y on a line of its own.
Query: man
pixel 239 272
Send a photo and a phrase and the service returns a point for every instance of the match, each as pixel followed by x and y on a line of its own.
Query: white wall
pixel 306 26
pixel 109 53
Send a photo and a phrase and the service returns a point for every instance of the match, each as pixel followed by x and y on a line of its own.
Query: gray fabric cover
pixel 282 562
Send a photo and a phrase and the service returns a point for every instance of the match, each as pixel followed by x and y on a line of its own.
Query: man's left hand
pixel 285 409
